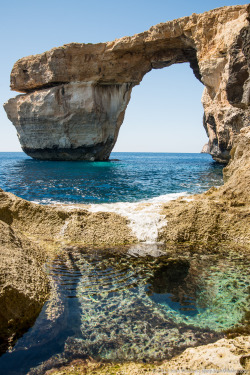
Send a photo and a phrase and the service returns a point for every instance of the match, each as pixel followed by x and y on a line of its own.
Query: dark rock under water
pixel 114 304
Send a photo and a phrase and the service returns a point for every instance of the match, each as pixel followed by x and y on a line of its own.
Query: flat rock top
pixel 127 59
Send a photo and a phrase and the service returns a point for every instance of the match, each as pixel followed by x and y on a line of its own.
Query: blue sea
pixel 133 302
pixel 128 177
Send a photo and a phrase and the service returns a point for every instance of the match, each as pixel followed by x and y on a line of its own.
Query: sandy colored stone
pixel 205 149
pixel 77 121
pixel 56 227
pixel 30 232
pixel 127 59
pixel 76 95
pixel 23 285
pixel 221 214
pixel 226 356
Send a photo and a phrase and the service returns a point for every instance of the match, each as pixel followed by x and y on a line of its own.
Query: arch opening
pixel 76 95
pixel 164 113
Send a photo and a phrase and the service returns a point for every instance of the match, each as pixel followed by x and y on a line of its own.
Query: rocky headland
pixel 81 92
pixel 75 96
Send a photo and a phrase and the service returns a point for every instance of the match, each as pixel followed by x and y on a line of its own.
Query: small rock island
pixel 75 96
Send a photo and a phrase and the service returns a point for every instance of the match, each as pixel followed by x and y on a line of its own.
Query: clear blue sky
pixel 164 114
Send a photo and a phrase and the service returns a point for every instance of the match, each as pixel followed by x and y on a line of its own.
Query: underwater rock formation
pixel 224 356
pixel 26 233
pixel 31 232
pixel 76 95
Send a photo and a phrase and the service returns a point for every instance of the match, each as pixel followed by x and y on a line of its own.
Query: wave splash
pixel 144 216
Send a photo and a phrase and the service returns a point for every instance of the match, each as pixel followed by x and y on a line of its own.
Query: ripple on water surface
pixel 137 303
pixel 136 176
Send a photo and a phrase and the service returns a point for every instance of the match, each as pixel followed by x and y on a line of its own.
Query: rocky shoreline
pixel 58 94
pixel 223 357
pixel 30 233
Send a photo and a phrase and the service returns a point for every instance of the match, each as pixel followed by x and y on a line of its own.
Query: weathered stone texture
pixel 23 284
pixel 30 232
pixel 75 121
pixel 219 215
pixel 226 356
pixel 76 95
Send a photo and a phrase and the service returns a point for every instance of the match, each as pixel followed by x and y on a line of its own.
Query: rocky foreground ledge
pixel 225 357
pixel 30 233
pixel 76 95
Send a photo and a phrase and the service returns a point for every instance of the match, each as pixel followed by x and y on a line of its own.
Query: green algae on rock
pixel 222 357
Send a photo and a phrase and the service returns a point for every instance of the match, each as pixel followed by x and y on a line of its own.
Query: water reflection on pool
pixel 139 303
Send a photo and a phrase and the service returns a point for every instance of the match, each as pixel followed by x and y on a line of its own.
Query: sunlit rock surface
pixel 77 121
pixel 205 149
pixel 223 357
pixel 76 95
pixel 23 284
pixel 31 232
pixel 220 212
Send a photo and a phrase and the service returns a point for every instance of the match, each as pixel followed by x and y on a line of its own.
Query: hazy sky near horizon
pixel 165 111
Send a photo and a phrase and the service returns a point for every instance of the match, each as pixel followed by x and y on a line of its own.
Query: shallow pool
pixel 139 303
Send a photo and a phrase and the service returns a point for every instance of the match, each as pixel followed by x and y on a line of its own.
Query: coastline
pixel 218 217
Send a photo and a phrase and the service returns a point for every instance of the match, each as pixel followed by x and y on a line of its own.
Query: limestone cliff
pixel 76 95
pixel 205 149
pixel 220 214
pixel 77 121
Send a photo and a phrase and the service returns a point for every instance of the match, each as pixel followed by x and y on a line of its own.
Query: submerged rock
pixel 29 232
pixel 222 357
pixel 76 95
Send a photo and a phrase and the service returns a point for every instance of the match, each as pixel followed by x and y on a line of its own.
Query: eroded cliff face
pixel 76 95
pixel 77 121
pixel 219 215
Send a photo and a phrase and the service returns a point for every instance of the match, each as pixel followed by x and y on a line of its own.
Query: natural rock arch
pixel 76 95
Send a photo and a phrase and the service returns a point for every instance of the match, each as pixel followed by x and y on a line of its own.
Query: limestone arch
pixel 75 96
pixel 154 121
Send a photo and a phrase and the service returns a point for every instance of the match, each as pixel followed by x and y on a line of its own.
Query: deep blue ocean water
pixel 123 303
pixel 136 176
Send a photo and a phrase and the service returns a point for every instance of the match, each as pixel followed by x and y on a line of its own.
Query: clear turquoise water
pixel 110 304
pixel 124 304
pixel 136 176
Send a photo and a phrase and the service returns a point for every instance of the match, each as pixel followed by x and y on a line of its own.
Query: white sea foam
pixel 144 216
pixel 63 229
